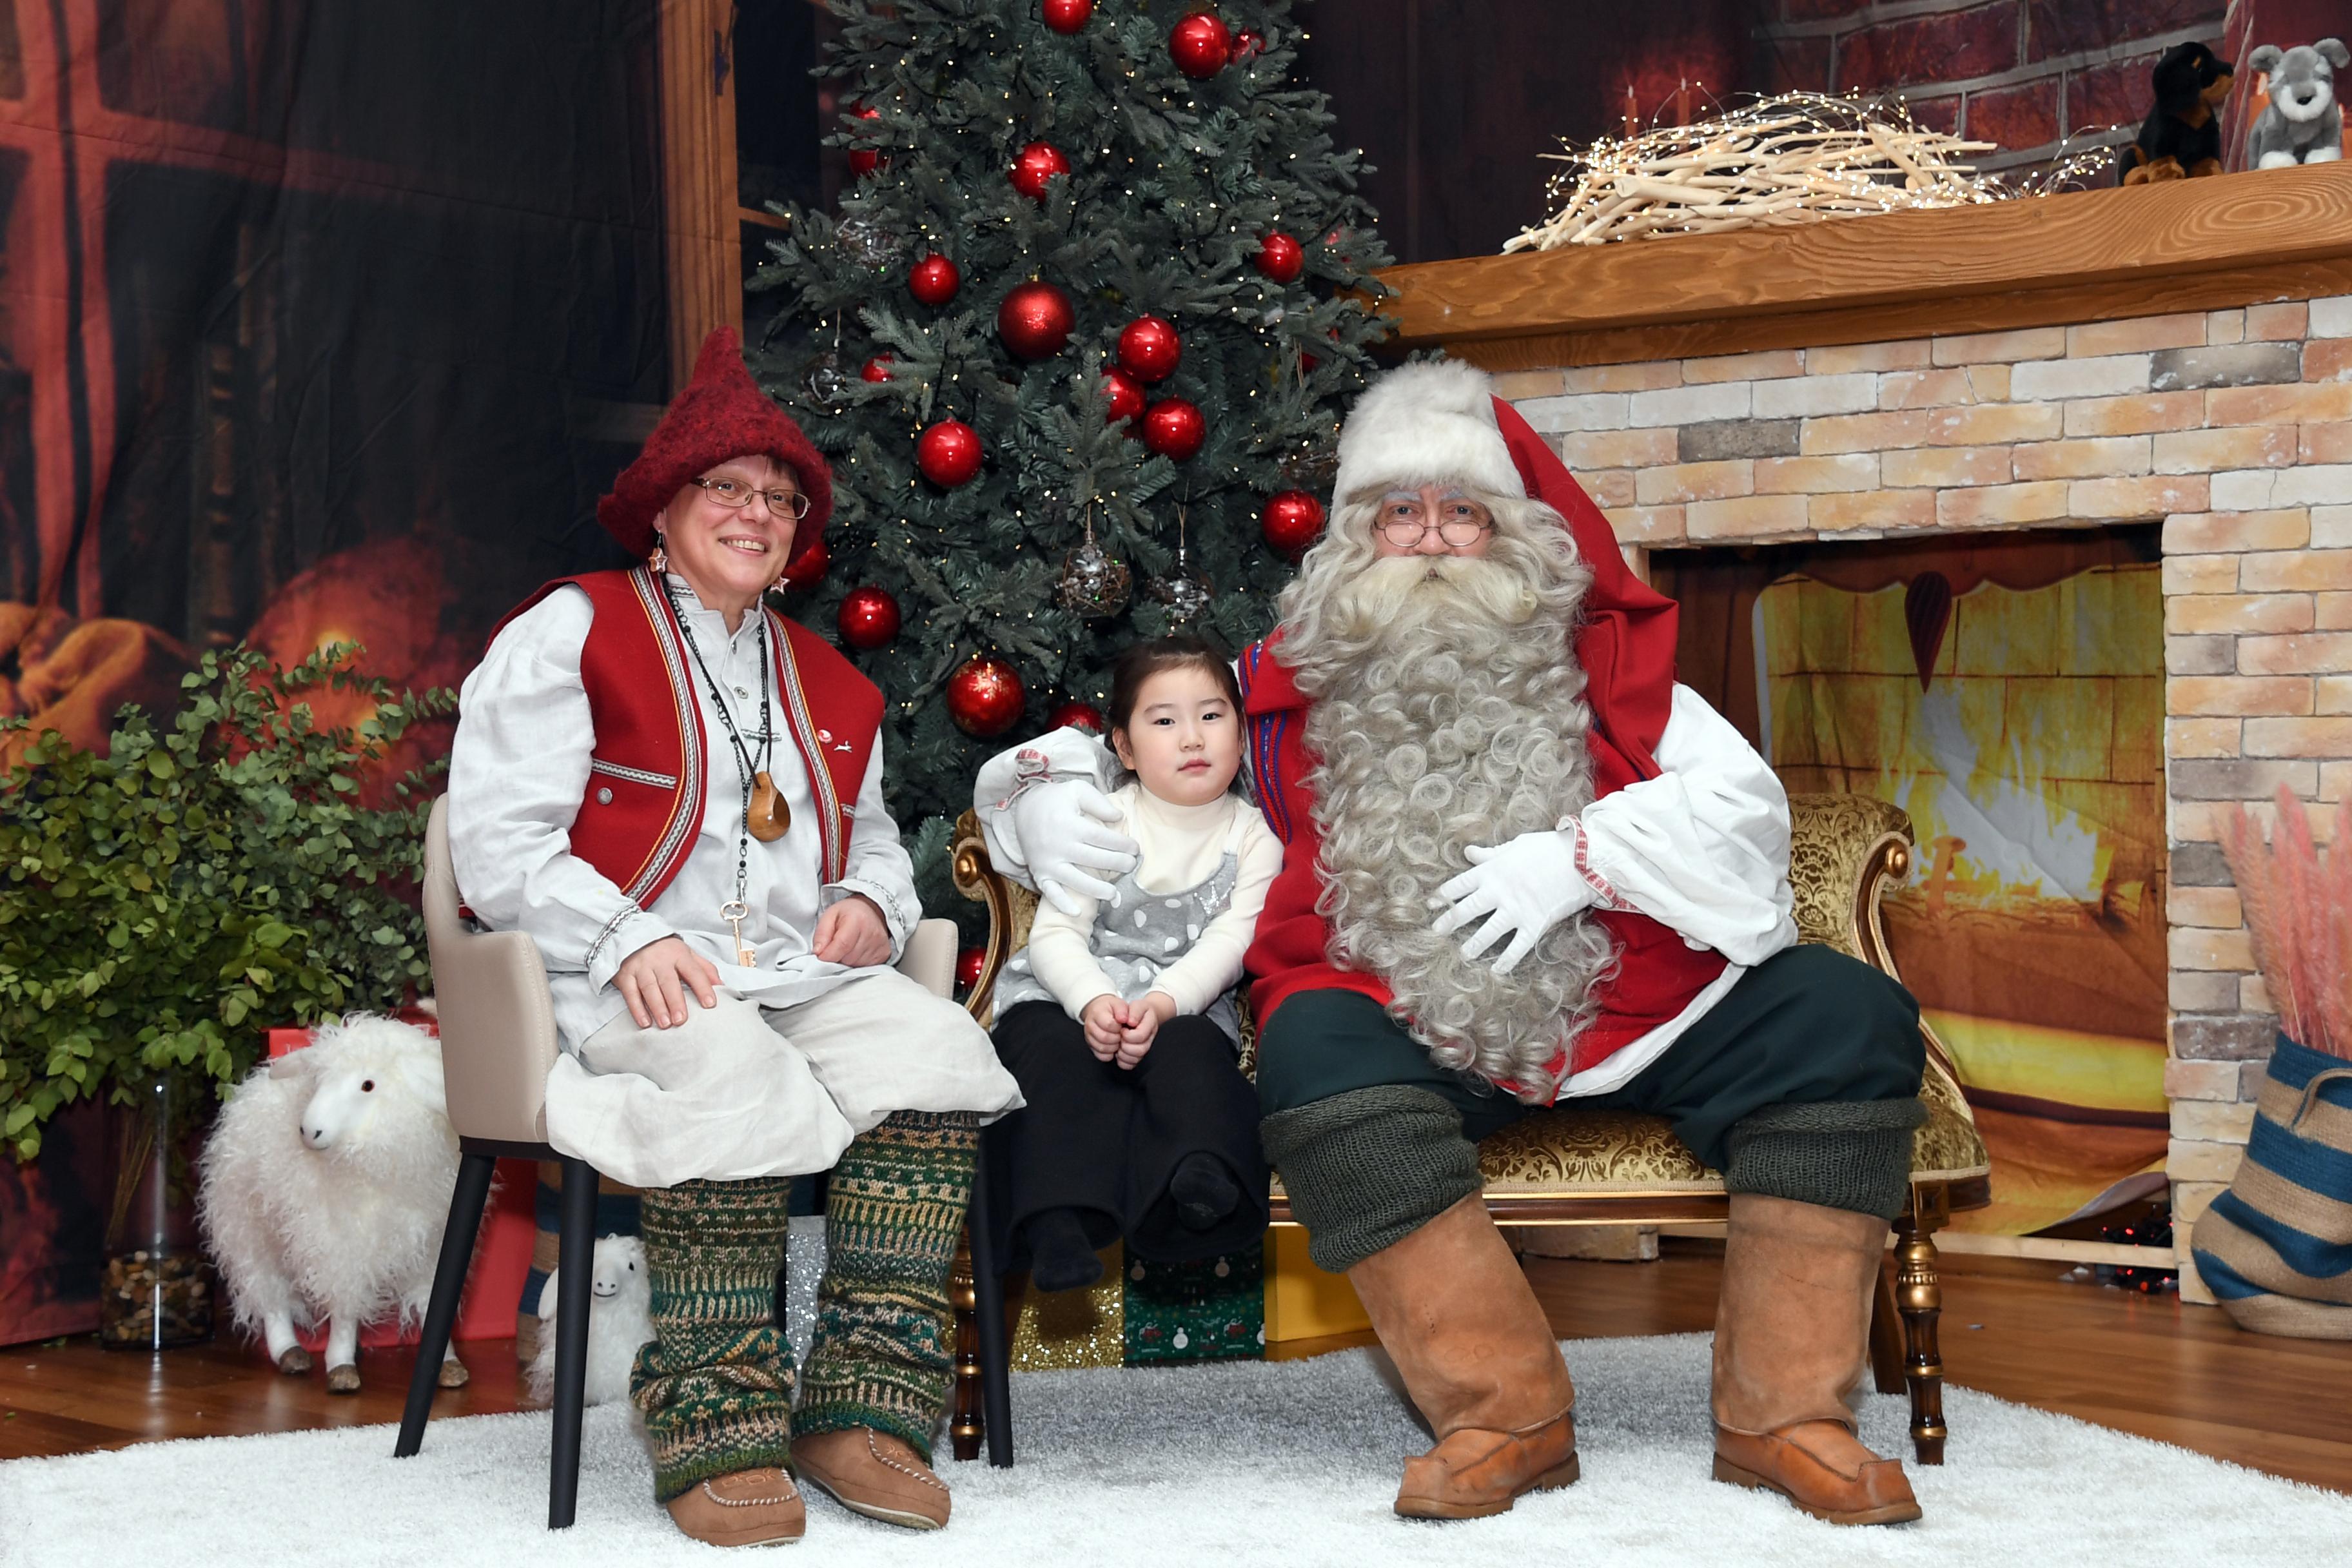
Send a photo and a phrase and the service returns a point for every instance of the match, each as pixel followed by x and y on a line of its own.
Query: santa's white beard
pixel 1448 711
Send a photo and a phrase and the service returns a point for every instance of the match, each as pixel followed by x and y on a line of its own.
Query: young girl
pixel 1119 1021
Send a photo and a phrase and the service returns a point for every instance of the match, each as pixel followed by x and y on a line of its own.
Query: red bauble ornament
pixel 985 697
pixel 869 617
pixel 1076 715
pixel 864 160
pixel 1037 163
pixel 1248 44
pixel 947 453
pixel 1174 430
pixel 876 368
pixel 934 279
pixel 1036 319
pixel 1125 394
pixel 1281 257
pixel 1200 45
pixel 805 572
pixel 968 960
pixel 1150 348
pixel 1292 520
pixel 1068 15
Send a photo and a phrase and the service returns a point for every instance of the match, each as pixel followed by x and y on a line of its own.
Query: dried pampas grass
pixel 2299 914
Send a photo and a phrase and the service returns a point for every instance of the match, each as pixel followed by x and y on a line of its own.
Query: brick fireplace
pixel 2178 371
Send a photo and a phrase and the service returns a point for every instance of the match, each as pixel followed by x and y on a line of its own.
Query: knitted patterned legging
pixel 716 1382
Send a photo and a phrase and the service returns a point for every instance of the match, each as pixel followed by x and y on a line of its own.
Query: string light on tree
pixel 1035 321
pixel 1150 348
pixel 869 617
pixel 985 696
pixel 934 280
pixel 949 453
pixel 1200 45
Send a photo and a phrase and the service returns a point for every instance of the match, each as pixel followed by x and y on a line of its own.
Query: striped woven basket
pixel 2276 1248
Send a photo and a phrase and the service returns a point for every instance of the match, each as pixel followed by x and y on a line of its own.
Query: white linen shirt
pixel 519 774
pixel 1703 849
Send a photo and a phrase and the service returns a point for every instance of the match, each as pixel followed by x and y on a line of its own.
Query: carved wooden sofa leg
pixel 1919 1296
pixel 965 1426
pixel 1885 1334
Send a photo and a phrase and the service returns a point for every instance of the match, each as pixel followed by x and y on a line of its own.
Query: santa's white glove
pixel 1524 887
pixel 1062 832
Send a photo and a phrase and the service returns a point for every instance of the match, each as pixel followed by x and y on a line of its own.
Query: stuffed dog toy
pixel 2304 123
pixel 2182 134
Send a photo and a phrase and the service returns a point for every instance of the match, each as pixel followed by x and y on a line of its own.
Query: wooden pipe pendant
pixel 765 815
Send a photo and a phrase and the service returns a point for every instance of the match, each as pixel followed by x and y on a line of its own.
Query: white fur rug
pixel 1290 1464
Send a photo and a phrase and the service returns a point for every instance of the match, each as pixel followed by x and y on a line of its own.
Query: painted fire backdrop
pixel 2010 697
pixel 317 324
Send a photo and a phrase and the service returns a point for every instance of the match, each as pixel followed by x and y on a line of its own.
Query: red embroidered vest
pixel 646 784
pixel 1657 974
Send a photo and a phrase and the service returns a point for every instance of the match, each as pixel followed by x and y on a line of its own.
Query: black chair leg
pixel 575 1276
pixel 988 1308
pixel 466 1203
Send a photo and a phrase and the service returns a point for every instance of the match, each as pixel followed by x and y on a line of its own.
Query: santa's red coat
pixel 1625 641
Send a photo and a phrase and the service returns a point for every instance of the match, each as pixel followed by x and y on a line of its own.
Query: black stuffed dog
pixel 2182 135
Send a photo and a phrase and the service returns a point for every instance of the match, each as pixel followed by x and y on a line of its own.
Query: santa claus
pixel 1523 866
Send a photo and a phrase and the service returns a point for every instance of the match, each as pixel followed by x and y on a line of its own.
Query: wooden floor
pixel 2147 1365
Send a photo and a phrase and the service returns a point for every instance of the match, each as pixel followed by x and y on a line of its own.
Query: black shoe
pixel 1060 1256
pixel 1205 1195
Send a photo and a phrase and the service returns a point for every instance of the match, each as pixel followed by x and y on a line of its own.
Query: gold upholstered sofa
pixel 1569 1166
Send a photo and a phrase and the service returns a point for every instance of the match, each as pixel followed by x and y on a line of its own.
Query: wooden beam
pixel 2083 256
pixel 702 243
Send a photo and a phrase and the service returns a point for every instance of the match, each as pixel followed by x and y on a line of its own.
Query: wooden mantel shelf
pixel 2234 239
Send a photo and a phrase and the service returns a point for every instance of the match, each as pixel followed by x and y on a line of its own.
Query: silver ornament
pixel 867 242
pixel 1092 584
pixel 1186 597
pixel 826 381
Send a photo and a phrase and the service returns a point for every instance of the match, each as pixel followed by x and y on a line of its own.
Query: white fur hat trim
pixel 1427 423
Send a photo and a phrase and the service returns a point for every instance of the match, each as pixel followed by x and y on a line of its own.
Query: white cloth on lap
pixel 741 1090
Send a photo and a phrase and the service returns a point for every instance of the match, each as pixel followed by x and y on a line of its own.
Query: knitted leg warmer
pixel 1852 1155
pixel 1368 1167
pixel 716 1381
pixel 883 1356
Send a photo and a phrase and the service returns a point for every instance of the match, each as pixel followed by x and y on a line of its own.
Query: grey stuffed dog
pixel 2303 124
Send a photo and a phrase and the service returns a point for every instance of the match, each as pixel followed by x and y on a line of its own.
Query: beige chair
pixel 1573 1166
pixel 497 1042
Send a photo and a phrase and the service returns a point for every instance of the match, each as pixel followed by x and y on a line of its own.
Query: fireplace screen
pixel 2010 699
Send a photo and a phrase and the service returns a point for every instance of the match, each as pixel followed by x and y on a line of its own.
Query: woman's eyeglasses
pixel 736 493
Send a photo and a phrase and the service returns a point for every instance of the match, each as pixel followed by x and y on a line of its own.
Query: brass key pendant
pixel 734 911
pixel 765 815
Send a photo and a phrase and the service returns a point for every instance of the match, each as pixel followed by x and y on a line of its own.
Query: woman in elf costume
pixel 678 792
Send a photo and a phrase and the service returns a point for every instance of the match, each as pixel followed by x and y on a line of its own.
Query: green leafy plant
pixel 163 900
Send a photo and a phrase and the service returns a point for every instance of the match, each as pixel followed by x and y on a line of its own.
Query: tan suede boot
pixel 1792 1342
pixel 1456 1314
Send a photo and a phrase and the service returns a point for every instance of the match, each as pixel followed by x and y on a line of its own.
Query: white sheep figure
pixel 325 1190
pixel 620 1319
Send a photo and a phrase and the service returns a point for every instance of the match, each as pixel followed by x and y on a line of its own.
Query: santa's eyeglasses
pixel 1405 523
pixel 737 494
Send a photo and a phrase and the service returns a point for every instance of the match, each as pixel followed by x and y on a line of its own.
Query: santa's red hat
pixel 721 414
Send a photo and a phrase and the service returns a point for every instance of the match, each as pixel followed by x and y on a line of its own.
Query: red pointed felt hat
pixel 721 414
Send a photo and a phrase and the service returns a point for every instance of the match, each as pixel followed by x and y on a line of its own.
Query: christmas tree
pixel 1077 346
